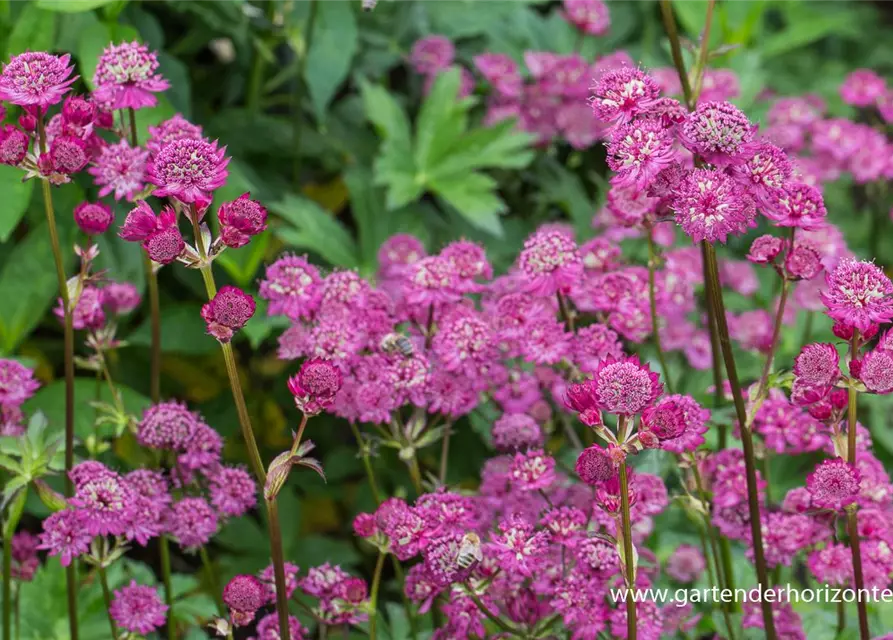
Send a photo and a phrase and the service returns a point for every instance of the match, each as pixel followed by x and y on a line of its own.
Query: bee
pixel 396 343
pixel 369 5
pixel 470 553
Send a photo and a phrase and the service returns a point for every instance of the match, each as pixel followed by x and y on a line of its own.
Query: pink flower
pixel 93 218
pixel 170 130
pixel 432 54
pixel 465 342
pixel 104 499
pixel 167 425
pixel 192 522
pixel 802 263
pixel 291 286
pixel 65 535
pixel 532 470
pixel 719 85
pixel 398 252
pixel 164 244
pixel 88 313
pixel 268 576
pixel 710 206
pixel 638 151
pixel 68 154
pixel 858 294
pixel 817 365
pixel 797 205
pixel 36 78
pixel 718 131
pixel 17 383
pixel 315 386
pixel 834 484
pixel 244 595
pixel 764 249
pixel 695 419
pixel 120 169
pixel 877 371
pixel 268 628
pixel 581 398
pixel 228 312
pixel 500 71
pixel 432 280
pixel 664 421
pixel 590 16
pixel 625 386
pixel 13 145
pixel 832 565
pixel 686 564
pixel 138 608
pixel 241 219
pixel 125 76
pixel 550 262
pixel 594 465
pixel 189 170
pixel 516 431
pixel 623 93
pixel 120 298
pixel 469 259
pixel 233 491
pixel 765 172
pixel 863 88
pixel 518 546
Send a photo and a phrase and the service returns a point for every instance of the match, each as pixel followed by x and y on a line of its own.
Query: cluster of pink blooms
pixel 17 384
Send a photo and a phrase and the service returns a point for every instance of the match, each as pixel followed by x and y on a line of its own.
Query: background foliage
pixel 328 126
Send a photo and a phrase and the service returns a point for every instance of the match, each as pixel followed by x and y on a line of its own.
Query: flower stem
pixel 492 617
pixel 212 581
pixel 7 584
pixel 852 518
pixel 415 474
pixel 278 568
pixel 652 300
pixel 676 50
pixel 367 462
pixel 165 552
pixel 629 562
pixel 68 333
pixel 373 597
pixel 776 333
pixel 107 596
pixel 701 63
pixel 714 298
pixel 155 319
pixel 565 311
pixel 445 452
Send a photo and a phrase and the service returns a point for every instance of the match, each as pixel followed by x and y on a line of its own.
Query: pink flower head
pixel 817 365
pixel 550 262
pixel 120 169
pixel 93 218
pixel 120 298
pixel 170 130
pixel 189 170
pixel 863 88
pixel 638 151
pixel 516 431
pixel 798 205
pixel 765 172
pixel 315 385
pixel 718 131
pixel 432 280
pixel 192 522
pixel 23 552
pixel 803 262
pixel 465 342
pixel 590 16
pixel 432 54
pixel 105 500
pixel 292 287
pixel 581 398
pixel 834 484
pixel 710 206
pixel 14 145
pixel 594 465
pixel 858 294
pixel 68 154
pixel 139 224
pixel 268 628
pixel 244 595
pixel 268 576
pixel 877 371
pixel 532 470
pixel 664 421
pixel 241 219
pixel 623 93
pixel 138 608
pixel 518 546
pixel 398 252
pixel 65 535
pixel 470 262
pixel 125 77
pixel 88 313
pixel 764 249
pixel 686 564
pixel 79 111
pixel 164 244
pixel 36 78
pixel 608 494
pixel 625 386
pixel 17 383
pixel 500 71
pixel 233 491
pixel 695 419
pixel 228 312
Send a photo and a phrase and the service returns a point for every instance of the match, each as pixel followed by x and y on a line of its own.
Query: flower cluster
pixel 17 384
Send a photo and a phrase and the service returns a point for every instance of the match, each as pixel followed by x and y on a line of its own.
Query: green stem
pixel 213 585
pixel 258 67
pixel 852 518
pixel 415 474
pixel 676 50
pixel 716 359
pixel 367 462
pixel 68 333
pixel 565 311
pixel 278 568
pixel 165 552
pixel 445 452
pixel 107 596
pixel 652 301
pixel 629 563
pixel 373 596
pixel 492 617
pixel 155 319
pixel 7 585
pixel 701 64
pixel 714 295
pixel 776 333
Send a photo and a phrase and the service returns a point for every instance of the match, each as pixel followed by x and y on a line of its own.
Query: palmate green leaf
pixel 312 228
pixel 474 196
pixel 15 196
pixel 331 51
pixel 499 146
pixel 441 122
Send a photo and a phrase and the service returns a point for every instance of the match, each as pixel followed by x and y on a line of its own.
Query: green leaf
pixel 331 51
pixel 15 196
pixel 242 263
pixel 34 30
pixel 182 331
pixel 474 197
pixel 802 32
pixel 499 146
pixel 315 229
pixel 30 261
pixel 440 123
pixel 72 6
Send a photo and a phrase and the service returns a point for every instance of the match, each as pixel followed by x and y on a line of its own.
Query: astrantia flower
pixel 105 500
pixel 608 494
pixel 817 365
pixel 432 54
pixel 201 451
pixel 797 205
pixel 638 151
pixel 120 298
pixel 170 130
pixel 398 252
pixel 189 170
pixel 465 342
pixel 834 484
pixel 858 294
pixel 622 94
pixel 17 383
pixel 516 431
pixel 664 421
pixel 241 219
pixel 594 465
pixel 765 172
pixel 625 386
pixel 802 263
pixel 268 628
pixel 192 522
pixel 125 76
pixel 167 425
pixel 695 420
pixel 518 546
pixel 686 564
pixel 291 285
pixel 65 535
pixel 765 249
pixel 501 72
pixel 36 78
pixel 228 312
pixel 315 386
pixel 550 262
pixel 244 595
pixel 120 169
pixel 470 262
pixel 532 470
pixel 440 560
pixel 88 313
pixel 68 154
pixel 432 280
pixel 718 131
pixel 710 206
pixel 590 16
pixel 863 88
pixel 268 576
pixel 138 608
pixel 93 218
pixel 876 371
pixel 233 491
pixel 14 145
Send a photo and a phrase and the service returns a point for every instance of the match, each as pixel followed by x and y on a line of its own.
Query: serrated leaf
pixel 441 122
pixel 331 51
pixel 15 196
pixel 499 146
pixel 473 195
pixel 315 229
